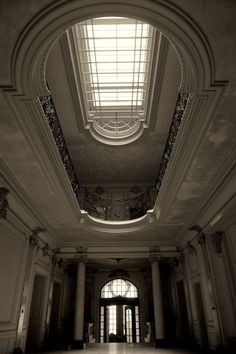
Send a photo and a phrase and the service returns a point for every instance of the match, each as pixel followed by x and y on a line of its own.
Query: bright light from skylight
pixel 114 55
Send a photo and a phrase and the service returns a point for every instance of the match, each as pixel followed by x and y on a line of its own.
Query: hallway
pixel 125 348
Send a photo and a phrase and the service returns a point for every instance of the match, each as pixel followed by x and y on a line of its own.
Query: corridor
pixel 124 348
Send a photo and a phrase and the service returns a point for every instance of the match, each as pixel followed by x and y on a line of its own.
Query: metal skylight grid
pixel 115 56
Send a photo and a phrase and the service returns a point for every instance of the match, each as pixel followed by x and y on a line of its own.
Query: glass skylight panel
pixel 114 56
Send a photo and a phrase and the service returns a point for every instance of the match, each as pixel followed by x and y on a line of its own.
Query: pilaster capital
pixel 46 250
pixel 34 240
pixel 154 258
pixel 217 240
pixel 191 249
pixel 201 239
pixel 3 203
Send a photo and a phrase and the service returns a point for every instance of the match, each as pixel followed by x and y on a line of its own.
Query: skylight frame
pixel 100 111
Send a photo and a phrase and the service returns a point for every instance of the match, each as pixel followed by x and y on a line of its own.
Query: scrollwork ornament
pixel 3 203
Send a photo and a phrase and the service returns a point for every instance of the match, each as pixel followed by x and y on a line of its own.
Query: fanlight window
pixel 119 287
pixel 114 57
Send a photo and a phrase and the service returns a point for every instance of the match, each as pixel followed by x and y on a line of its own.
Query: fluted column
pixel 157 300
pixel 79 300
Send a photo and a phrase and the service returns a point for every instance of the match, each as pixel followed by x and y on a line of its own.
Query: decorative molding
pixel 53 121
pixel 3 203
pixel 180 108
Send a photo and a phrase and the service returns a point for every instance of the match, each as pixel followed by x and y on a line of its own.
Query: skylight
pixel 114 55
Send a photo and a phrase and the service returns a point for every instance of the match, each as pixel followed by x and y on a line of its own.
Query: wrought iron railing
pixel 117 209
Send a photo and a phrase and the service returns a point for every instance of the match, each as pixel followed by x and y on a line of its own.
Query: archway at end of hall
pixel 119 312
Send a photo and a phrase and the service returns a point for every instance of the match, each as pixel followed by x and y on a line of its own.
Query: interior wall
pixel 21 262
pixel 207 266
pixel 13 254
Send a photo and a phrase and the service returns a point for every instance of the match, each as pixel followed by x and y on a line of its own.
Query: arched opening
pixel 119 312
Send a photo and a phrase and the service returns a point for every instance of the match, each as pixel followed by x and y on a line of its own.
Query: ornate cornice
pixel 3 203
pixel 180 108
pixel 53 121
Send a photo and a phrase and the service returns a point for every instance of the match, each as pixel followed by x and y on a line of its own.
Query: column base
pixel 78 344
pixel 161 343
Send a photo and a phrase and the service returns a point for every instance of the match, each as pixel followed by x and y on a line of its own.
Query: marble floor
pixel 122 348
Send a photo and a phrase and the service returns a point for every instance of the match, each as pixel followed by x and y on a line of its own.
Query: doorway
pixel 55 312
pixel 201 316
pixel 34 336
pixel 119 312
pixel 183 315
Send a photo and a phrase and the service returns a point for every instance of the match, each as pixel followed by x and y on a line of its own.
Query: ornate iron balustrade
pixel 53 121
pixel 104 208
pixel 180 109
pixel 117 209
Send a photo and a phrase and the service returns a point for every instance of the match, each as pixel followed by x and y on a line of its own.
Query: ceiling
pixel 100 164
pixel 198 184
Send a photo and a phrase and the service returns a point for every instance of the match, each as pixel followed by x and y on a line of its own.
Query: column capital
pixel 81 258
pixel 3 202
pixel 154 258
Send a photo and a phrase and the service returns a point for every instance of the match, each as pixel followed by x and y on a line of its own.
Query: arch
pixel 34 45
pixel 198 78
pixel 119 287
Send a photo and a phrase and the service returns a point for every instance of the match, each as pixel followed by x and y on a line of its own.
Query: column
pixel 23 319
pixel 157 302
pixel 79 302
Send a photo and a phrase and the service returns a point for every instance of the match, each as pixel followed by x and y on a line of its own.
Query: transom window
pixel 114 57
pixel 119 287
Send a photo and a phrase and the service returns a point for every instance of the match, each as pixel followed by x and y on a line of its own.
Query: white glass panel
pixel 113 54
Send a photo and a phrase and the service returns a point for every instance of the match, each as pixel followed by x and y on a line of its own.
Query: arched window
pixel 119 287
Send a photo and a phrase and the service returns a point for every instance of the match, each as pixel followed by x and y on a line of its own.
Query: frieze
pixel 3 203
pixel 53 121
pixel 180 108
